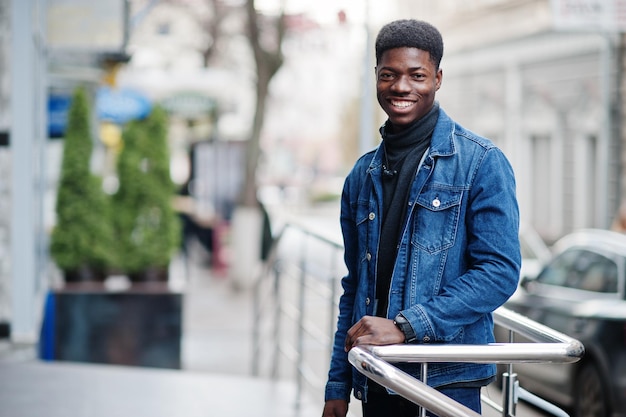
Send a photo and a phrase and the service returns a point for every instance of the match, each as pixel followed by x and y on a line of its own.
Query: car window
pixel 559 269
pixel 581 269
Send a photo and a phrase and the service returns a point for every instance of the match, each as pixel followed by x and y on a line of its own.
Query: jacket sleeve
pixel 339 382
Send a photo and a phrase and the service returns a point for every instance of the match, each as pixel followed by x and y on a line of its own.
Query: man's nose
pixel 402 85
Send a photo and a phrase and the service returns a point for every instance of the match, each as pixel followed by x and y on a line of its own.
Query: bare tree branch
pixel 268 57
pixel 211 26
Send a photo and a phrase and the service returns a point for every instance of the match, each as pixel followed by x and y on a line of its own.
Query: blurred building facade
pixel 550 98
pixel 47 48
pixel 543 79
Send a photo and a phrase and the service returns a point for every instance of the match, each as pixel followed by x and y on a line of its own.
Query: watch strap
pixel 405 327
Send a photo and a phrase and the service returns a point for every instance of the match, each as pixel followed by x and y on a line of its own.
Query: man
pixel 430 228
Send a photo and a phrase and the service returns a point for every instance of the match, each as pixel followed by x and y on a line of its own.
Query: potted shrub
pixel 81 240
pixel 146 223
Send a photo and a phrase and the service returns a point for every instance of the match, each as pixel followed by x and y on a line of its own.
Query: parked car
pixel 581 293
pixel 535 252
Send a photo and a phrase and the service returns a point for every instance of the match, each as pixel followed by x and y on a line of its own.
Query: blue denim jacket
pixel 458 260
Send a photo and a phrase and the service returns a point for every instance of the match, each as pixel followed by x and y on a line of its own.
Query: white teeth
pixel 401 104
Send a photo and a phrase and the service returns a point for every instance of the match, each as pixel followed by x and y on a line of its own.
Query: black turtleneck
pixel 403 151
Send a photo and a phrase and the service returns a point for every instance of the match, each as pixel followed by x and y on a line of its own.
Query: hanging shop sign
pixel 58 107
pixel 120 105
pixel 592 15
pixel 189 104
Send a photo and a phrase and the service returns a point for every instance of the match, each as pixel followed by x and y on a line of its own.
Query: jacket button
pixel 372 216
pixel 426 339
pixel 367 301
pixel 359 395
pixel 436 203
pixel 368 256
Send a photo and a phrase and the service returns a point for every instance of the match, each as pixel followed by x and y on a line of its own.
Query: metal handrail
pixel 404 384
pixel 268 304
pixel 377 361
pixel 550 346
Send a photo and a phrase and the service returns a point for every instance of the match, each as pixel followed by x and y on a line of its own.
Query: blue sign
pixel 121 105
pixel 58 107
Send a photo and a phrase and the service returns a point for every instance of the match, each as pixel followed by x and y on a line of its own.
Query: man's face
pixel 406 82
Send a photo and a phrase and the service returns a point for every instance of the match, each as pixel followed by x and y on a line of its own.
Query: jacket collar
pixel 441 143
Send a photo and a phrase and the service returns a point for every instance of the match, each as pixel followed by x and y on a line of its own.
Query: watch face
pixel 400 321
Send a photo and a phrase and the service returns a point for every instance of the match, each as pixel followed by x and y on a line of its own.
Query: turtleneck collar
pixel 416 132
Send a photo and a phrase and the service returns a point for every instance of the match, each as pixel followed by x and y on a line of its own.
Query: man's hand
pixel 373 331
pixel 335 408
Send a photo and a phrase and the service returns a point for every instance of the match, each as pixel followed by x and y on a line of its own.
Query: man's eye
pixel 385 76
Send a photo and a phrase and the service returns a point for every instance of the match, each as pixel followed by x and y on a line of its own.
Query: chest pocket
pixel 437 219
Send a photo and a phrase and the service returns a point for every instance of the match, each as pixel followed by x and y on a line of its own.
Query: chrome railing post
pixel 277 321
pixel 256 325
pixel 270 270
pixel 510 386
pixel 332 317
pixel 425 381
pixel 379 370
pixel 300 331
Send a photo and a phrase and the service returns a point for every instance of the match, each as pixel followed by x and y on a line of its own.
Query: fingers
pixel 355 332
pixel 373 331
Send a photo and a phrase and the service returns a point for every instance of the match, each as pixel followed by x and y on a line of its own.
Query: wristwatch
pixel 405 327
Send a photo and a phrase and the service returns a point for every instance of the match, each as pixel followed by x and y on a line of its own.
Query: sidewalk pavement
pixel 217 319
pixel 215 378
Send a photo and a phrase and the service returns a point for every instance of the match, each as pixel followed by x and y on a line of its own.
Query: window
pixel 544 183
pixel 583 270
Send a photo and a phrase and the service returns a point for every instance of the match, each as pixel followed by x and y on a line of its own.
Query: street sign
pixel 589 15
pixel 121 105
pixel 189 104
pixel 86 25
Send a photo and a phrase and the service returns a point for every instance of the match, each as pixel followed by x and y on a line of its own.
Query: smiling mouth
pixel 401 104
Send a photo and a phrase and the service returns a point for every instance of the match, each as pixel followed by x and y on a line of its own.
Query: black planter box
pixel 140 326
pixel 5 330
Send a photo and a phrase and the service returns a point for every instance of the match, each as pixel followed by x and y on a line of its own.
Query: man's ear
pixel 439 78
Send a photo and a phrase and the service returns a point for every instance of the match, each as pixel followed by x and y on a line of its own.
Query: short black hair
pixel 410 33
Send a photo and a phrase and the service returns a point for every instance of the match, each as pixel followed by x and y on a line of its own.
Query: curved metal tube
pixel 550 346
pixel 491 353
pixel 530 328
pixel 405 385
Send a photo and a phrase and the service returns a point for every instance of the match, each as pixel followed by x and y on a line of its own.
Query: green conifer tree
pixel 147 226
pixel 81 241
